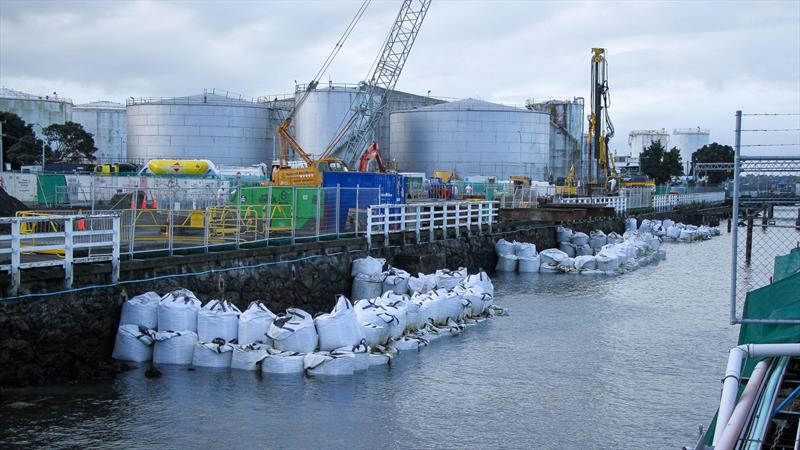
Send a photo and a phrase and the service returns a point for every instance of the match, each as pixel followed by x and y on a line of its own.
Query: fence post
pixel 206 220
pixel 132 238
pixel 338 193
pixel 238 211
pixel 171 219
pixel 92 192
pixel 491 216
pixel 432 221
pixel 68 252
pixel 357 211
pixel 458 220
pixel 269 215
pixel 418 214
pixel 369 224
pixel 385 225
pixel 294 211
pixel 319 204
pixel 469 219
pixel 15 257
pixel 115 238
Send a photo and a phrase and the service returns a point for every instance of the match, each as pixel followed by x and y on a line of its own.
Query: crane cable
pixel 340 43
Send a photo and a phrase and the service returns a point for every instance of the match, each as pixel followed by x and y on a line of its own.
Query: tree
pixel 20 144
pixel 69 142
pixel 714 153
pixel 660 165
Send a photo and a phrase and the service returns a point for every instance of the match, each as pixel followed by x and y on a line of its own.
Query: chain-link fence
pixel 766 206
pixel 768 226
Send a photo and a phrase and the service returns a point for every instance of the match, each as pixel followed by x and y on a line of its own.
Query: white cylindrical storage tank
pixel 566 137
pixel 688 141
pixel 224 128
pixel 471 137
pixel 638 140
pixel 321 115
pixel 40 111
pixel 108 123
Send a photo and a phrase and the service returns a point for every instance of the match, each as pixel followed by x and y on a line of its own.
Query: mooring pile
pixel 599 252
pixel 394 312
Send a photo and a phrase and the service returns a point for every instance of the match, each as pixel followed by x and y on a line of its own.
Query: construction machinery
pixel 601 166
pixel 351 140
pixel 372 152
pixel 569 188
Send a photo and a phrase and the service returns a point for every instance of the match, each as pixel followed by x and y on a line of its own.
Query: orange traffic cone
pixel 144 203
pixel 81 223
pixel 155 203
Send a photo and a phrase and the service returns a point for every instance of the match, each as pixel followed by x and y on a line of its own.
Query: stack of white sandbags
pixel 177 328
pixel 368 277
pixel 137 326
pixel 217 334
pixel 506 259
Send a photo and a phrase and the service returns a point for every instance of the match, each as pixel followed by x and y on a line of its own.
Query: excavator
pixel 348 145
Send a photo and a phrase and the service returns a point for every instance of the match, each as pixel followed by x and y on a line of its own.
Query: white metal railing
pixel 670 201
pixel 52 240
pixel 618 203
pixel 622 204
pixel 426 218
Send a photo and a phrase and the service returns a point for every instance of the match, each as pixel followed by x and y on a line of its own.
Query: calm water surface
pixel 631 361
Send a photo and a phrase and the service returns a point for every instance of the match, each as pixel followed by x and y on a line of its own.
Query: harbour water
pixel 630 361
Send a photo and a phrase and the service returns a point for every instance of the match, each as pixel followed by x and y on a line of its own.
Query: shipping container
pixel 357 191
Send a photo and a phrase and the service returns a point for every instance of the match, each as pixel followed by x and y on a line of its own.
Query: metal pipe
pixel 730 383
pixel 734 425
pixel 735 213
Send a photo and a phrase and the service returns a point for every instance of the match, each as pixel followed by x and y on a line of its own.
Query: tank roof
pixel 471 104
pixel 697 130
pixel 101 105
pixel 209 97
pixel 13 94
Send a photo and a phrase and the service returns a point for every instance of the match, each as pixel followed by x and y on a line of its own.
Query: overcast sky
pixel 671 64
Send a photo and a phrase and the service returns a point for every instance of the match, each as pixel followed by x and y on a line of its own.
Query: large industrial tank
pixel 328 107
pixel 40 111
pixel 108 122
pixel 638 140
pixel 222 127
pixel 566 137
pixel 471 137
pixel 688 141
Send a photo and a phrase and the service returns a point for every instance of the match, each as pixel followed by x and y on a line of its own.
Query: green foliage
pixel 69 142
pixel 714 153
pixel 20 144
pixel 659 164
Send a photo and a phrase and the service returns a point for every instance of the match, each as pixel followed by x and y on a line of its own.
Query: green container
pixel 285 203
pixel 48 188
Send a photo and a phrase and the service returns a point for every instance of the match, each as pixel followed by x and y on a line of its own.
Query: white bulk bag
pixel 395 280
pixel 216 353
pixel 293 331
pixel 382 322
pixel 630 224
pixel 329 364
pixel 506 263
pixel 687 235
pixel 360 354
pixel 278 362
pixel 406 344
pixel 646 226
pixel 422 283
pixel 448 279
pixel 218 319
pixel 177 311
pixel 367 266
pixel 482 280
pixel 552 256
pixel 567 248
pixel 524 249
pixel 654 243
pixel 141 310
pixel 254 323
pixel 563 234
pixel 503 247
pixel 607 262
pixel 247 357
pixel 614 238
pixel 174 347
pixel 379 359
pixel 597 239
pixel 566 265
pixel 674 232
pixel 666 223
pixel 528 265
pixel 478 301
pixel 340 327
pixel 133 343
pixel 585 262
pixel 395 306
pixel 579 239
pixel 455 307
pixel 584 250
pixel 367 286
pixel 375 334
